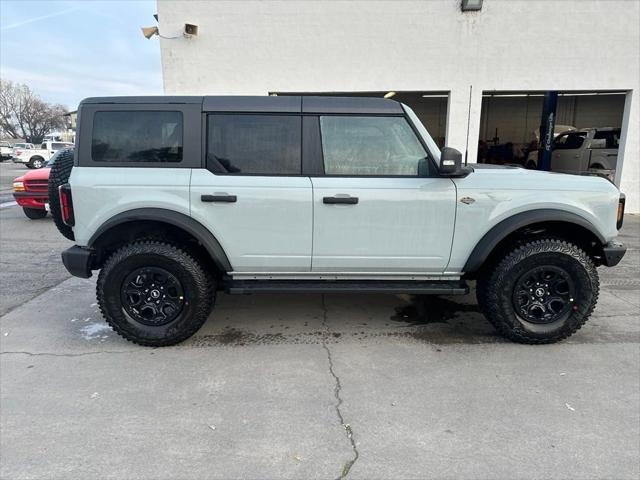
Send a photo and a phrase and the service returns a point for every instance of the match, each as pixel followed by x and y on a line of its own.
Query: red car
pixel 31 190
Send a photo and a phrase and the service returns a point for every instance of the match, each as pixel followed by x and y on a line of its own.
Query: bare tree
pixel 23 114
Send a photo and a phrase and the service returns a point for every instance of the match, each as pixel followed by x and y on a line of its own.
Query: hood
pixel 504 177
pixel 40 174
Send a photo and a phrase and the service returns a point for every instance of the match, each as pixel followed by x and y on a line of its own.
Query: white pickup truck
pixel 585 151
pixel 5 151
pixel 38 157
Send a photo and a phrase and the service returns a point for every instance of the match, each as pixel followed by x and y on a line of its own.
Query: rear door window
pixel 240 144
pixel 611 137
pixel 137 136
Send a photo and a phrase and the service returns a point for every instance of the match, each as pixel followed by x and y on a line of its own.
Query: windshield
pixel 431 145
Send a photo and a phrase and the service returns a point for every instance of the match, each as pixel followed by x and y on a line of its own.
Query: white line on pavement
pixel 7 204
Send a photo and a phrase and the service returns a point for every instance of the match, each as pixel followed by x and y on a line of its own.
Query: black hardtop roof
pixel 264 104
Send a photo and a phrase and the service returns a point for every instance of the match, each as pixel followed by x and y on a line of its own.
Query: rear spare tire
pixel 59 175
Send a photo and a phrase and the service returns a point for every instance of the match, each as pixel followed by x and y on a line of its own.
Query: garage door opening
pixel 430 107
pixel 585 139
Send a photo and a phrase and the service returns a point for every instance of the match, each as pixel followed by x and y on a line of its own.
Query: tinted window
pixel 384 146
pixel 145 136
pixel 254 144
pixel 569 141
pixel 611 137
pixel 58 146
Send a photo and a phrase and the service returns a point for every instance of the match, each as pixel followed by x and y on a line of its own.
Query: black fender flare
pixel 180 220
pixel 509 225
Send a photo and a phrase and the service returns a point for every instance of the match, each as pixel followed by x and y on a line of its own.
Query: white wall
pixel 254 47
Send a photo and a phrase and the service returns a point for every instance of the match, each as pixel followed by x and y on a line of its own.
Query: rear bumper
pixel 612 253
pixel 77 261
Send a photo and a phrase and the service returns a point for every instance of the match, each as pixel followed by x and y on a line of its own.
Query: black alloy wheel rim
pixel 544 295
pixel 152 296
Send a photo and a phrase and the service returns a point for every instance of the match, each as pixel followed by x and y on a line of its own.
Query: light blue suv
pixel 175 198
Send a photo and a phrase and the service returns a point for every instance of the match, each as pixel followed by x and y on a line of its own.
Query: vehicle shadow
pixel 331 318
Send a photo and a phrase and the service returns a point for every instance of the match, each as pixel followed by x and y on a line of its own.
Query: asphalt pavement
pixel 308 386
pixel 29 249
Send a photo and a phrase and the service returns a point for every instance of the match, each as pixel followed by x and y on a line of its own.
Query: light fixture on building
pixel 389 94
pixel 471 5
pixel 149 32
pixel 190 30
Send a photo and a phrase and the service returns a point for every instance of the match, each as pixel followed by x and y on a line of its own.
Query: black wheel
pixel 34 213
pixel 154 294
pixel 36 162
pixel 59 175
pixel 541 292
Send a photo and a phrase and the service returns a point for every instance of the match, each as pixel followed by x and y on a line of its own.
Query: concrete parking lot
pixel 307 386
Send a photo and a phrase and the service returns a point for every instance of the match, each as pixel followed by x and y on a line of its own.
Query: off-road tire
pixel 59 175
pixel 36 162
pixel 496 285
pixel 197 285
pixel 34 213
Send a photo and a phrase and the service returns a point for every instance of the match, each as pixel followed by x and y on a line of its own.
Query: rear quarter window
pixel 137 136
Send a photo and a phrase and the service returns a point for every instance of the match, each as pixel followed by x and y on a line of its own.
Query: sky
pixel 68 50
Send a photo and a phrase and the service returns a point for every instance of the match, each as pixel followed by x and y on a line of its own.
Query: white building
pixel 471 76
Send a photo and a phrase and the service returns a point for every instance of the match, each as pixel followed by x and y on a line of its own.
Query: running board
pixel 239 287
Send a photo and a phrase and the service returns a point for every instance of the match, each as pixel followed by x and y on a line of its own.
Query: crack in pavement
pixel 48 354
pixel 336 392
pixel 37 294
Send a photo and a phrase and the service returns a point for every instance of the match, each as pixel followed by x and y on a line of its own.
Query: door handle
pixel 221 198
pixel 340 200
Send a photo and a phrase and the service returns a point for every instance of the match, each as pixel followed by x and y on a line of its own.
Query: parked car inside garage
pixel 586 151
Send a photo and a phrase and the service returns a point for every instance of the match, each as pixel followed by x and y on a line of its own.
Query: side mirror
pixel 450 161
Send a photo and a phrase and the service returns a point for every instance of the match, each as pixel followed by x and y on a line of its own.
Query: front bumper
pixel 612 253
pixel 31 199
pixel 78 261
pixel 19 160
